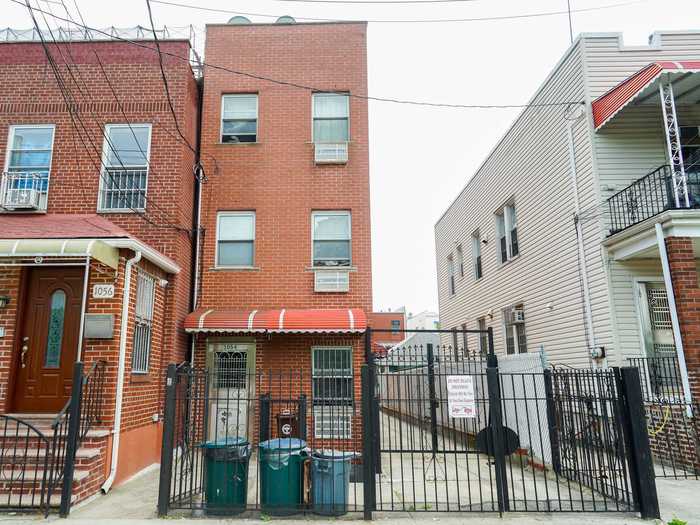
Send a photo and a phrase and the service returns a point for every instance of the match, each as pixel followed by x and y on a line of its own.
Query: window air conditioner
pixel 331 281
pixel 331 153
pixel 24 198
pixel 518 316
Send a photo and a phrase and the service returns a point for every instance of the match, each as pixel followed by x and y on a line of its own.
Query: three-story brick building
pixel 286 265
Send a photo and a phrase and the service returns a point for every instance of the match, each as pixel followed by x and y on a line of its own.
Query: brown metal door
pixel 48 343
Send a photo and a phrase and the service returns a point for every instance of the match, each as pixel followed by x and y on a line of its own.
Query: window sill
pixel 256 143
pixel 234 269
pixel 509 261
pixel 331 268
pixel 139 377
pixel 122 210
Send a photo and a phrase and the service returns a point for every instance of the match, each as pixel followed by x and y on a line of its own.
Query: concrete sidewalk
pixel 134 503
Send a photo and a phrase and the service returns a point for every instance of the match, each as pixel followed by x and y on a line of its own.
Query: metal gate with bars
pixel 434 428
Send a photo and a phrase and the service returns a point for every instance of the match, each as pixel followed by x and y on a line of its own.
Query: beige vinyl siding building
pixel 533 168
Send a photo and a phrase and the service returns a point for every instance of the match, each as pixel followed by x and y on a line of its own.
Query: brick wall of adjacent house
pixel 276 177
pixel 382 321
pixel 10 283
pixel 686 287
pixel 75 170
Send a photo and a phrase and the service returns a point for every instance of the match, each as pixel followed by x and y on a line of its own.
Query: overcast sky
pixel 422 157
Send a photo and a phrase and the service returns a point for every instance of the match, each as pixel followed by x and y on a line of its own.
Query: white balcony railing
pixel 23 191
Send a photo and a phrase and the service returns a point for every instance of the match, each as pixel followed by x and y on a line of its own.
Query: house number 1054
pixel 103 291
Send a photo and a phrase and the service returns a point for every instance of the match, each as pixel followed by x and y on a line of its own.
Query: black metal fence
pixel 36 466
pixel 430 426
pixel 673 423
pixel 649 196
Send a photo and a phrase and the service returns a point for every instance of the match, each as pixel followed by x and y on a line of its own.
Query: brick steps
pixel 19 489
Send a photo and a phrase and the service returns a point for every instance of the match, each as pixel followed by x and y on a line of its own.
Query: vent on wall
pixel 331 281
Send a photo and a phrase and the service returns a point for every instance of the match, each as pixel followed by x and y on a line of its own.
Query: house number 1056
pixel 103 291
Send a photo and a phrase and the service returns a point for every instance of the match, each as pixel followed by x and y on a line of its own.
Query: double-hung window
pixel 331 127
pixel 332 392
pixel 125 157
pixel 514 327
pixel 145 300
pixel 483 336
pixel 235 239
pixel 395 326
pixel 507 233
pixel 690 148
pixel 476 255
pixel 28 165
pixel 460 260
pixel 331 236
pixel 451 274
pixel 239 118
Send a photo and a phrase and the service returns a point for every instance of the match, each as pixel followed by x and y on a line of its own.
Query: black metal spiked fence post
pixel 72 441
pixel 432 398
pixel 368 467
pixel 166 453
pixel 497 437
pixel 642 471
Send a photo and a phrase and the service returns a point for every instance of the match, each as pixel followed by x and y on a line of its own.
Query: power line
pixel 370 2
pixel 165 79
pixel 316 89
pixel 414 21
pixel 72 106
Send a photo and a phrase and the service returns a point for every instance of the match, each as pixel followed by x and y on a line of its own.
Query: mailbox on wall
pixel 99 326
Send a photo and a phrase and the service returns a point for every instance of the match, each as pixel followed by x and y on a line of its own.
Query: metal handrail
pixel 649 196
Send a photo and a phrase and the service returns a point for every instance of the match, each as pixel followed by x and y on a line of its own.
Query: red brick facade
pixel 686 287
pixel 276 177
pixel 29 95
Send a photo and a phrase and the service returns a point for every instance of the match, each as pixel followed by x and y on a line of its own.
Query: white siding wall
pixel 529 165
pixel 631 145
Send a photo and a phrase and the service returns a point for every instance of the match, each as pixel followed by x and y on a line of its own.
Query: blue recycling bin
pixel 330 480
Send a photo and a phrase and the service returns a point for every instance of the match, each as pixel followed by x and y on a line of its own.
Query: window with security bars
pixel 124 178
pixel 230 370
pixel 145 301
pixel 332 392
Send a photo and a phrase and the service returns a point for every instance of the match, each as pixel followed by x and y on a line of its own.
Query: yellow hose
pixel 663 423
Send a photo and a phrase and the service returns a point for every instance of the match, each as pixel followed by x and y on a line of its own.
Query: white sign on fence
pixel 460 396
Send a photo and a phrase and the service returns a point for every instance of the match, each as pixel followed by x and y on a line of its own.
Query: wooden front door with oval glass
pixel 48 339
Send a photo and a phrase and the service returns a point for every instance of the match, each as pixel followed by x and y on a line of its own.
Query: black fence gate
pixel 426 425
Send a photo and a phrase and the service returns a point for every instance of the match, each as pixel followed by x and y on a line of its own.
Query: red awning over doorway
pixel 351 320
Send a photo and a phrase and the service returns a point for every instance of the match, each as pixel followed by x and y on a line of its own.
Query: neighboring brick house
pixel 285 268
pixel 388 329
pixel 90 190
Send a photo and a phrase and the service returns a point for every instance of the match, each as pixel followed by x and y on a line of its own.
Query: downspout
pixel 83 306
pixel 573 116
pixel 199 180
pixel 120 372
pixel 670 295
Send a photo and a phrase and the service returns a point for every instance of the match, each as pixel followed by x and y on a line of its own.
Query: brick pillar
pixel 686 287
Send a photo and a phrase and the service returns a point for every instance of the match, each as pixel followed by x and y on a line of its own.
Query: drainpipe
pixel 683 369
pixel 197 242
pixel 83 306
pixel 120 372
pixel 574 115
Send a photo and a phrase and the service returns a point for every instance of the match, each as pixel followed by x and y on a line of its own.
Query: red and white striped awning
pixel 351 320
pixel 643 87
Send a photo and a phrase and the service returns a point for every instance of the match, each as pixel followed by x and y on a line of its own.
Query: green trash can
pixel 281 476
pixel 226 475
pixel 330 481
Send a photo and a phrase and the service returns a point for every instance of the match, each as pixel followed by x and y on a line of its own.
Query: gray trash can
pixel 330 480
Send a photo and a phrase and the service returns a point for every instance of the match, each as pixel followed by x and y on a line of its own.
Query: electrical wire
pixel 371 2
pixel 407 21
pixel 315 89
pixel 165 79
pixel 72 106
